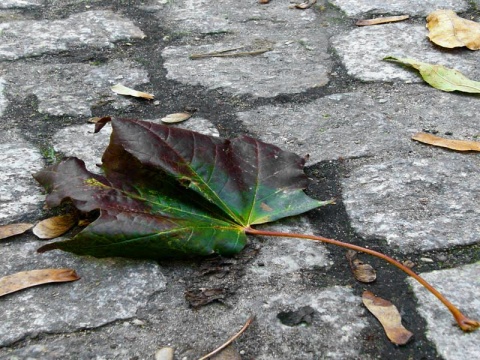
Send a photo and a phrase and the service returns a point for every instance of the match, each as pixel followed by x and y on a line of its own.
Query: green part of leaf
pixel 168 192
pixel 440 77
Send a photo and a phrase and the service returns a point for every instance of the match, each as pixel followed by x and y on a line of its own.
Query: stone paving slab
pixel 362 50
pixel 461 286
pixel 410 7
pixel 14 4
pixel 109 290
pixel 96 29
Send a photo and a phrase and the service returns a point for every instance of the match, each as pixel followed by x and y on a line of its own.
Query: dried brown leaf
pixel 458 145
pixel 13 229
pixel 26 279
pixel 263 1
pixel 362 272
pixel 449 30
pixel 305 5
pixel 176 118
pixel 388 316
pixel 55 226
pixel 381 20
pixel 123 90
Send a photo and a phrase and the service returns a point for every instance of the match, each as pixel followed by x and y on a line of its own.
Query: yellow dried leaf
pixel 26 279
pixel 449 30
pixel 381 20
pixel 459 145
pixel 123 90
pixel 13 229
pixel 176 118
pixel 54 226
pixel 388 316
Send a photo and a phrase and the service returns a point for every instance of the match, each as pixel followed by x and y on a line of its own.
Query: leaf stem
pixel 465 323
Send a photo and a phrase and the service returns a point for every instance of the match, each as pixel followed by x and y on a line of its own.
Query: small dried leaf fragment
pixel 55 226
pixel 459 145
pixel 123 90
pixel 13 229
pixel 176 118
pixel 381 20
pixel 263 1
pixel 305 5
pixel 440 77
pixel 362 272
pixel 388 316
pixel 449 30
pixel 26 279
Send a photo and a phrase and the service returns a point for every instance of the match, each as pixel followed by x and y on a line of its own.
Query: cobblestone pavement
pixel 320 88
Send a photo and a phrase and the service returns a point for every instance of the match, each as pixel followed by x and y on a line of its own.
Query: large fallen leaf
pixel 55 226
pixel 13 229
pixel 123 90
pixel 26 279
pixel 449 30
pixel 440 77
pixel 381 20
pixel 388 316
pixel 169 192
pixel 459 145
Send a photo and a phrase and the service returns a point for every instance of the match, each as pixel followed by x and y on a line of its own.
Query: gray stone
pixel 362 50
pixel 95 29
pixel 109 290
pixel 13 4
pixel 72 89
pixel 285 257
pixel 19 192
pixel 461 286
pixel 376 122
pixel 298 59
pixel 3 100
pixel 410 7
pixel 416 204
pixel 198 124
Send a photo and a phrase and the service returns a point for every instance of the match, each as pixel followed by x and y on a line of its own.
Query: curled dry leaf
pixel 55 226
pixel 263 1
pixel 388 316
pixel 381 20
pixel 13 229
pixel 176 118
pixel 449 30
pixel 362 272
pixel 123 90
pixel 26 279
pixel 458 145
pixel 305 5
pixel 440 77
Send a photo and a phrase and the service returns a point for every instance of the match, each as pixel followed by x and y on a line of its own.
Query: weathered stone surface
pixel 12 4
pixel 461 286
pixel 19 192
pixel 411 7
pixel 72 89
pixel 3 100
pixel 283 257
pixel 93 28
pixel 416 204
pixel 109 290
pixel 364 124
pixel 362 50
pixel 296 39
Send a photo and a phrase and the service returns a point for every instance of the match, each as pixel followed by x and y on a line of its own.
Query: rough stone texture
pixel 93 28
pixel 363 124
pixel 461 286
pixel 13 4
pixel 362 50
pixel 283 257
pixel 416 204
pixel 72 89
pixel 19 192
pixel 411 7
pixel 3 100
pixel 109 290
pixel 297 41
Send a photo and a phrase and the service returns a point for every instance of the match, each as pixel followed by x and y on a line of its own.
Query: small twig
pixel 223 53
pixel 229 341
